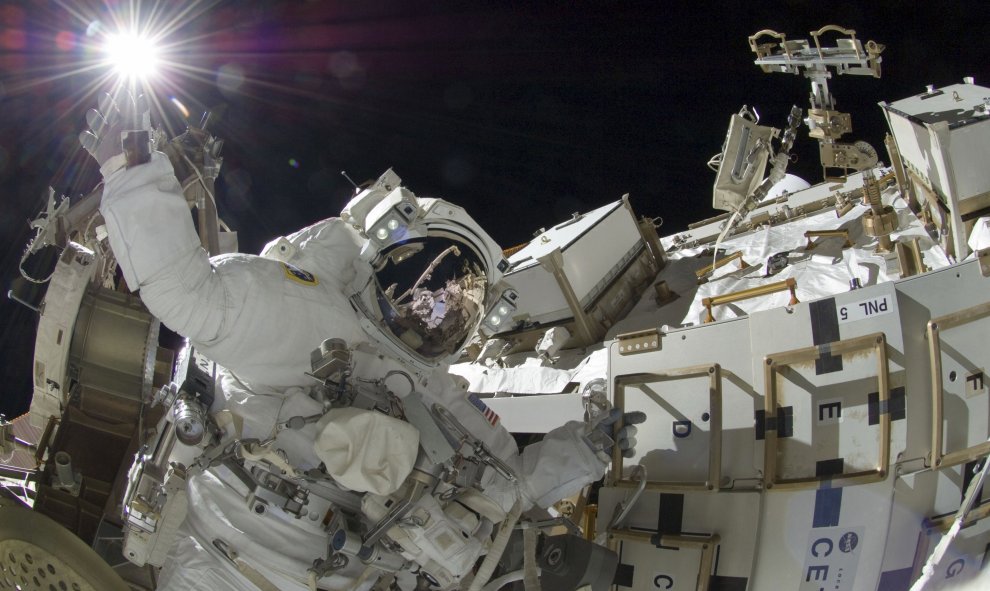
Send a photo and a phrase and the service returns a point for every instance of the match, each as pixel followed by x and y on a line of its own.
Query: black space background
pixel 523 112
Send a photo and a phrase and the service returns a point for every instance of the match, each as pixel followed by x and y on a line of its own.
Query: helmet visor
pixel 431 295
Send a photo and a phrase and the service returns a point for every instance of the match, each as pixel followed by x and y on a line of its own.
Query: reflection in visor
pixel 436 314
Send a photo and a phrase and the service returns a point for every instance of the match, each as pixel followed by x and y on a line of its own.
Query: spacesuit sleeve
pixel 152 237
pixel 559 466
pixel 147 220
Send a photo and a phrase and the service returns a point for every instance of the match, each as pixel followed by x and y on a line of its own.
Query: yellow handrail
pixel 844 233
pixel 700 273
pixel 745 294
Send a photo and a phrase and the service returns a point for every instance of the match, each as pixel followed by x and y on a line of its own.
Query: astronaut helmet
pixel 433 276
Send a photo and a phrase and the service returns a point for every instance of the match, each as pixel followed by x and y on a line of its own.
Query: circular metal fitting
pixel 190 424
pixel 553 556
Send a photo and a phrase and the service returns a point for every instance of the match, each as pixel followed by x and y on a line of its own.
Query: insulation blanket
pixel 824 270
pixel 531 379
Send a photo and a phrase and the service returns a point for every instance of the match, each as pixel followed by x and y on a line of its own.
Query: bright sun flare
pixel 132 55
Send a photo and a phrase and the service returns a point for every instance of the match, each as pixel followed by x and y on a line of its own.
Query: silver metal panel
pixel 539 295
pixel 670 569
pixel 924 506
pixel 968 158
pixel 830 398
pixel 964 563
pixel 596 254
pixel 733 518
pixel 951 299
pixel 910 139
pixel 594 248
pixel 822 517
pixel 949 99
pixel 964 359
pixel 843 554
pixel 113 344
pixel 55 331
pixel 560 236
pixel 913 499
pixel 673 401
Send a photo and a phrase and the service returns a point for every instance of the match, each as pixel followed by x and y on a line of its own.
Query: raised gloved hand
pixel 119 132
pixel 601 418
pixel 625 438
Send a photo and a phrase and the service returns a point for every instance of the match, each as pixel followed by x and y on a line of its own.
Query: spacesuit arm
pixel 152 236
pixel 147 220
pixel 559 466
pixel 253 315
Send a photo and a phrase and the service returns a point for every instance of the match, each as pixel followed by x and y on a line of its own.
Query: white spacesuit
pixel 262 317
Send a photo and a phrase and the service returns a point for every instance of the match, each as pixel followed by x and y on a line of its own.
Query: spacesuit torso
pixel 260 319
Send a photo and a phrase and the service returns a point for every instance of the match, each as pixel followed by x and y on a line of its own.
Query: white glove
pixel 625 438
pixel 119 132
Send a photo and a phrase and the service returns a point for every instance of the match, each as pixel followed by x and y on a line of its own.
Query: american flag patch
pixel 488 413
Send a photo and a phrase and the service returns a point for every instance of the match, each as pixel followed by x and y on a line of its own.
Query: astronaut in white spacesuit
pixel 337 479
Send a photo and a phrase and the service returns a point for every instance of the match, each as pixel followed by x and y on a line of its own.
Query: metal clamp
pixel 398 511
pixel 765 49
pixel 775 363
pixel 714 373
pixel 478 451
pixel 850 32
pixel 941 458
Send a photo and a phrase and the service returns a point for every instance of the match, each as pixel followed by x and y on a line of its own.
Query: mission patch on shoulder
pixel 299 276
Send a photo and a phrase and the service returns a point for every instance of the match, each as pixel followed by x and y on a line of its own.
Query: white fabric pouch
pixel 366 451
